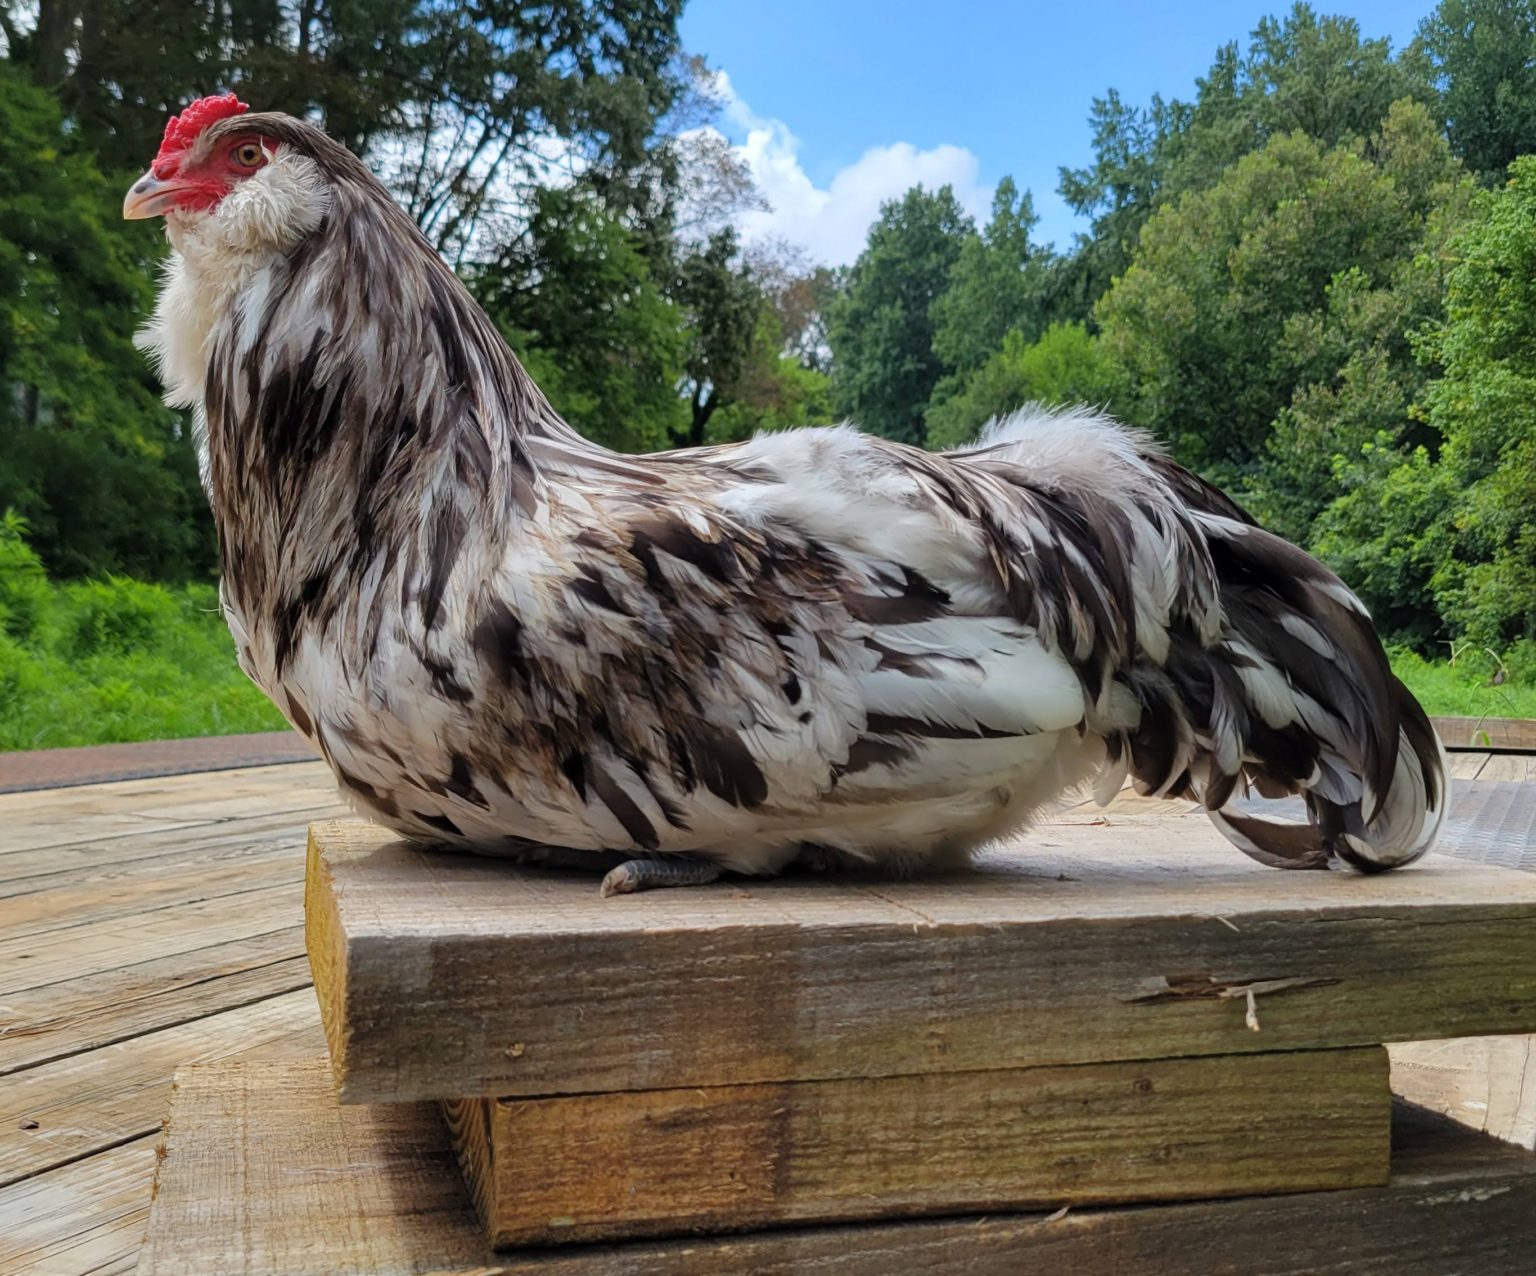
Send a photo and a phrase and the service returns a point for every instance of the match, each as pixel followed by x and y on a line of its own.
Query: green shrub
pixel 24 590
pixel 117 616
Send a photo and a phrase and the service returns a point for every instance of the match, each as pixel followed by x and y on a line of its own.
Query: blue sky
pixel 838 104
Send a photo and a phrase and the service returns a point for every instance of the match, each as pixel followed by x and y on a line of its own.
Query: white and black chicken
pixel 814 645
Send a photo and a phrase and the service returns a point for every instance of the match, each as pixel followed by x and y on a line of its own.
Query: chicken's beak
pixel 150 196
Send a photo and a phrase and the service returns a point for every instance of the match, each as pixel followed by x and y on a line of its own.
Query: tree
pixel 1308 74
pixel 576 297
pixel 1484 407
pixel 463 108
pixel 1120 189
pixel 722 303
pixel 999 284
pixel 1217 323
pixel 1305 73
pixel 801 296
pixel 881 329
pixel 104 474
pixel 1065 366
pixel 1483 55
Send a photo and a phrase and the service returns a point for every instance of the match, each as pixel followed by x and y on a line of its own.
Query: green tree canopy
pixel 461 107
pixel 1483 54
pixel 881 329
pixel 1065 366
pixel 578 299
pixel 104 474
pixel 1484 406
pixel 1221 318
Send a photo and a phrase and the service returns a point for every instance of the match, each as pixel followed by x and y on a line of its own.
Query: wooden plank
pixel 1466 765
pixel 446 976
pixel 264 1172
pixel 95 1010
pixel 735 1158
pixel 33 821
pixel 88 1216
pixel 1518 768
pixel 90 861
pixel 1518 734
pixel 36 961
pixel 1487 1083
pixel 157 886
pixel 86 1103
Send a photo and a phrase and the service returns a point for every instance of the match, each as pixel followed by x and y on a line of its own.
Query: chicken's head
pixel 234 173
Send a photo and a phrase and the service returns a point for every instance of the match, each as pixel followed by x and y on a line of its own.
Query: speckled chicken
pixel 816 645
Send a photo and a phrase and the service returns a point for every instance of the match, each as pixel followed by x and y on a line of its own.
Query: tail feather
pixel 1296 698
pixel 1250 666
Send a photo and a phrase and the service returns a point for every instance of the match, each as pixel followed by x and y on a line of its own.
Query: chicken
pixel 816 645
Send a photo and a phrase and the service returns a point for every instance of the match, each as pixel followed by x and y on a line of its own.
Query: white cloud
pixel 831 223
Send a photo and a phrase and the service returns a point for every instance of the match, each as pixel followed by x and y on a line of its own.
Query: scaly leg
pixel 645 875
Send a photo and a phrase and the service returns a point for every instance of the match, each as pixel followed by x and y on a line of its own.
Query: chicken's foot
pixel 645 875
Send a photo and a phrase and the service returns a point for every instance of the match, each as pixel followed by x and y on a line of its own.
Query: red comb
pixel 183 129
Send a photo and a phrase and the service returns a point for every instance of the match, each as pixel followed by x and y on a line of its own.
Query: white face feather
pixel 216 254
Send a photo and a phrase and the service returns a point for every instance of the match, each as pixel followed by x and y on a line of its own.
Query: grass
pixel 1462 690
pixel 106 661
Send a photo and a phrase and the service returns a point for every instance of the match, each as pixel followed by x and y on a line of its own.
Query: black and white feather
pixel 503 636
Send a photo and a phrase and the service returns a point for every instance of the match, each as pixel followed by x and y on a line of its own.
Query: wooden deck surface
pixel 152 923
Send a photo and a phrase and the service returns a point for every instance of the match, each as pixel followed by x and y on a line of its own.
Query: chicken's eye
pixel 247 155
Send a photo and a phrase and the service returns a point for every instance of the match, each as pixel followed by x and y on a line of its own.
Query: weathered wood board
pixel 450 976
pixel 733 1158
pixel 264 1172
pixel 1515 734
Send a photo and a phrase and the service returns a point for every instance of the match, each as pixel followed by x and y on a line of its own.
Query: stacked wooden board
pixel 1105 1016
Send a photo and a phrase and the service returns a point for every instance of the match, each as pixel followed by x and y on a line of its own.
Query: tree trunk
pixel 52 39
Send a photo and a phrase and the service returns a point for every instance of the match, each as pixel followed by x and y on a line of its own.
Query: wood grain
pixel 96 1099
pixel 106 813
pixel 1518 734
pixel 87 1216
pixel 736 1158
pixel 130 942
pixel 264 1172
pixel 1136 938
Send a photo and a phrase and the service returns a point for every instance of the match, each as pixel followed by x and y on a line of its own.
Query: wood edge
pixel 1363 1072
pixel 1479 735
pixel 469 1123
pixel 325 943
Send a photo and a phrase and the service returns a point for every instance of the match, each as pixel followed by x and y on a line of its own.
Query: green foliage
pixel 1065 366
pixel 103 473
pixel 1212 321
pixel 1388 538
pixel 722 302
pixel 1466 688
pixel 783 394
pixel 882 327
pixel 1484 407
pixel 1483 55
pixel 577 299
pixel 999 284
pixel 456 102
pixel 1304 74
pixel 88 662
pixel 24 591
